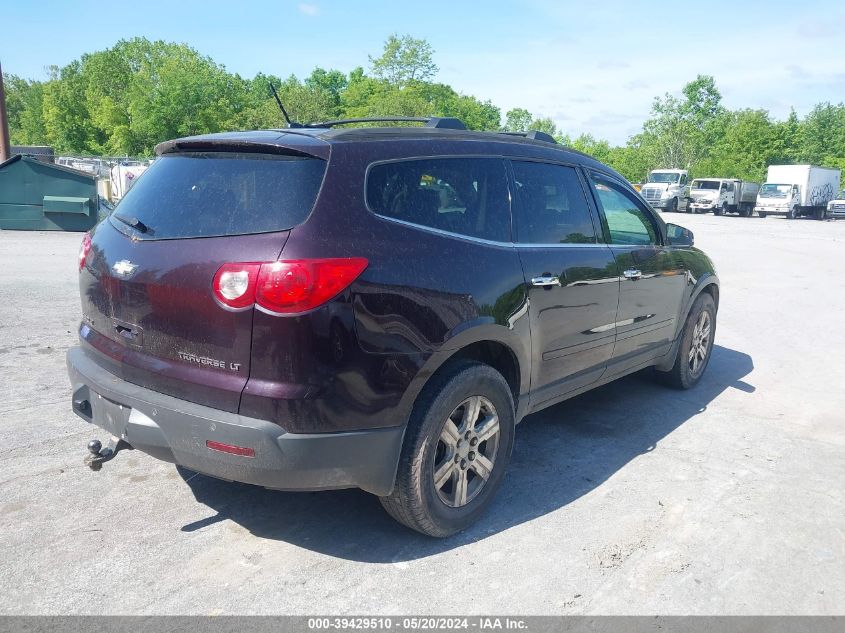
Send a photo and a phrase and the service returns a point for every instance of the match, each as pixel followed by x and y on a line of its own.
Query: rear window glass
pixel 468 196
pixel 214 194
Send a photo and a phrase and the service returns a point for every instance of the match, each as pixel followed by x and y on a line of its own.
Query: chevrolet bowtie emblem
pixel 124 267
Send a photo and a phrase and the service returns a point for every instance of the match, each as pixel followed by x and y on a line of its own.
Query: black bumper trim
pixel 176 430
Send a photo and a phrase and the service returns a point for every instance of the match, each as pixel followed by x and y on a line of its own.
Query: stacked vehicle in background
pixel 667 189
pixel 723 195
pixel 797 190
pixel 123 175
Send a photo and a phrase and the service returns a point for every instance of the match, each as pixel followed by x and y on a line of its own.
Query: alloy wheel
pixel 700 346
pixel 466 451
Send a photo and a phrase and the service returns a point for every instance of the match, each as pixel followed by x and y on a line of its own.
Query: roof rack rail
pixel 448 123
pixel 535 135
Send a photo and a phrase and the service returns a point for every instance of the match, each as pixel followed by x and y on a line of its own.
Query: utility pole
pixel 5 148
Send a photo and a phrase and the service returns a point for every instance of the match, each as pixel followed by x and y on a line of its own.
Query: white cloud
pixel 606 86
pixel 308 9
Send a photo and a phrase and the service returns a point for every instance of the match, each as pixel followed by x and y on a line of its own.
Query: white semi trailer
pixel 796 190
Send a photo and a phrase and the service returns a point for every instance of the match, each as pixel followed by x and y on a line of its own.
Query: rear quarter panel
pixel 360 361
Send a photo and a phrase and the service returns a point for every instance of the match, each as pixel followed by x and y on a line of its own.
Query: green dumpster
pixel 39 196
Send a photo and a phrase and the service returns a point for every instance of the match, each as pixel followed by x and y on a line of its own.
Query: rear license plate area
pixel 109 415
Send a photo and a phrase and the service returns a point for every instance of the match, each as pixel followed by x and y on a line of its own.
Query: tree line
pixel 124 100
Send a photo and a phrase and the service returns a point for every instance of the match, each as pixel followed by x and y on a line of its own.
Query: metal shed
pixel 35 195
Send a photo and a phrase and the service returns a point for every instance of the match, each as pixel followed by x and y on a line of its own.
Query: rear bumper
pixel 176 431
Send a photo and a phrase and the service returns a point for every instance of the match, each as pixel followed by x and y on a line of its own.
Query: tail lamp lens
pixel 234 284
pixel 84 249
pixel 287 286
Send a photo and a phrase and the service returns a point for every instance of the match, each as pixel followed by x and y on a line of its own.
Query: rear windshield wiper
pixel 135 223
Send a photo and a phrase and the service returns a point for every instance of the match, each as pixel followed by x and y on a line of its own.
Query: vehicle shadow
pixel 561 453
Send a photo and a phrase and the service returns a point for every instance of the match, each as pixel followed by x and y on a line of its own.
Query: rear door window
pixel 552 205
pixel 467 196
pixel 221 193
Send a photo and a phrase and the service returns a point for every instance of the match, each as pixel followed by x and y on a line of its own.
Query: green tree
pixel 518 120
pixel 823 134
pixel 547 125
pixel 789 133
pixel 630 161
pixel 749 144
pixel 126 99
pixel 67 122
pixel 329 82
pixel 24 107
pixel 404 60
pixel 588 144
pixel 681 130
pixel 476 114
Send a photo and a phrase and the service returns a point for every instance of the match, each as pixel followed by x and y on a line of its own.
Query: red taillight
pixel 84 249
pixel 234 284
pixel 287 286
pixel 241 451
pixel 303 284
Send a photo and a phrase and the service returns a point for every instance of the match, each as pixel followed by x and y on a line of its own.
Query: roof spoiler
pixel 244 146
pixel 447 123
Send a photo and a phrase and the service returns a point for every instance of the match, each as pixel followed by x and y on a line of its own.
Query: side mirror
pixel 679 236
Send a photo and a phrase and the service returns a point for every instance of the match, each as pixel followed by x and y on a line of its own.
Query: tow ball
pixel 97 455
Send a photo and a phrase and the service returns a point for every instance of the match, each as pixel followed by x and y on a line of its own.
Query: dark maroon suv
pixel 326 307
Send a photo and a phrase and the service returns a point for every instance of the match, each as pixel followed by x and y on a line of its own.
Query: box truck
pixel 723 195
pixel 667 189
pixel 796 190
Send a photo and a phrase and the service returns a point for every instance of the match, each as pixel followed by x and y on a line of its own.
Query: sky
pixel 593 67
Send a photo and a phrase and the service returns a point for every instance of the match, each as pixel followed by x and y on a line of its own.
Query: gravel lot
pixel 632 499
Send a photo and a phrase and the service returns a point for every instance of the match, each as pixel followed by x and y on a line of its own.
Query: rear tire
pixel 762 214
pixel 451 465
pixel 696 345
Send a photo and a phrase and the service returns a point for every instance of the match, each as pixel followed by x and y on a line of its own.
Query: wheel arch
pixel 492 345
pixel 494 353
pixel 712 288
pixel 706 284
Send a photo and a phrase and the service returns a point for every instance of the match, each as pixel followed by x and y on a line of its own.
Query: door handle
pixel 545 281
pixel 633 274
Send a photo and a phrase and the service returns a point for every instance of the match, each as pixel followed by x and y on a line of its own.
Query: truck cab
pixel 778 199
pixel 667 189
pixel 712 194
pixel 836 207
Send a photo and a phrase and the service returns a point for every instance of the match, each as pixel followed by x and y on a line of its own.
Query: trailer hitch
pixel 97 455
